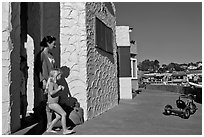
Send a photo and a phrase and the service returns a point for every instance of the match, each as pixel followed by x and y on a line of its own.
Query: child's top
pixel 52 98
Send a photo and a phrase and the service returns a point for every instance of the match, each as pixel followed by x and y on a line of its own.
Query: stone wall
pixel 93 76
pixel 73 49
pixel 102 91
pixel 10 67
pixel 6 9
pixel 15 67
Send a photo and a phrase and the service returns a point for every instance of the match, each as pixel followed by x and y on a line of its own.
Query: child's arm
pixel 53 90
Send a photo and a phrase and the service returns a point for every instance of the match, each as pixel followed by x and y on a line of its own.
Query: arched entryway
pixel 28 23
pixel 37 19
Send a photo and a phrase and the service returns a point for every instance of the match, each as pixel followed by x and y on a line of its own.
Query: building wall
pixel 73 49
pixel 133 52
pixel 76 51
pixel 102 91
pixel 125 88
pixel 133 48
pixel 6 10
pixel 34 30
pixel 135 84
pixel 10 67
pixel 123 36
pixel 124 61
pixel 123 43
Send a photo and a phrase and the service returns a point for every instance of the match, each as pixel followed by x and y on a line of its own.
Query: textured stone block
pixel 71 34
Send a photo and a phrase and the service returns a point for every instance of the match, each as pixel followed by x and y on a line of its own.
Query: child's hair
pixel 54 73
pixel 53 77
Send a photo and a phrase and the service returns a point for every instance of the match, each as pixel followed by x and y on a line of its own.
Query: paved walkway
pixel 142 115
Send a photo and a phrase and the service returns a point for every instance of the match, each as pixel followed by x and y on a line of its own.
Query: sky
pixel 166 31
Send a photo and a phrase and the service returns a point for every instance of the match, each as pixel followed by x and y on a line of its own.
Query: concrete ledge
pixel 171 88
pixel 125 88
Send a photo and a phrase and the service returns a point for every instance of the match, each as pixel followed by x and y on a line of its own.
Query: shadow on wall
pixel 66 92
pixel 75 114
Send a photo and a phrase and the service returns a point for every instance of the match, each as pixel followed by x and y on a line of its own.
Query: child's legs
pixel 57 108
pixel 53 122
pixel 49 116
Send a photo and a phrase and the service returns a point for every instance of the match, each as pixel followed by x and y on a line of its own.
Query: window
pixel 104 36
pixel 134 68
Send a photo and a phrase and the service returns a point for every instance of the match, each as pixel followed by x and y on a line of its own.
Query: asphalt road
pixel 143 115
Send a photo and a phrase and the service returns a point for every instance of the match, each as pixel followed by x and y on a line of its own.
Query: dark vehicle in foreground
pixel 184 108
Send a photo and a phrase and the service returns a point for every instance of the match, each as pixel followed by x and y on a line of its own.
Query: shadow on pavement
pixel 38 129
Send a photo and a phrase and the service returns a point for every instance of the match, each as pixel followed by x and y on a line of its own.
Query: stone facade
pixel 123 43
pixel 5 67
pixel 93 75
pixel 73 48
pixel 102 92
pixel 10 67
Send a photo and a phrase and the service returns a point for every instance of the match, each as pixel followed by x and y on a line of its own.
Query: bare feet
pixel 67 131
pixel 51 131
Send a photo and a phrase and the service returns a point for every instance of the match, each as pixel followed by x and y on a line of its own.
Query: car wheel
pixel 167 109
pixel 186 114
pixel 192 108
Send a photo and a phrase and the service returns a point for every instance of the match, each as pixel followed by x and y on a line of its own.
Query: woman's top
pixel 52 60
pixel 52 98
pixel 48 63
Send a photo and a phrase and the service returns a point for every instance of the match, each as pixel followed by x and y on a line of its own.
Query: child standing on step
pixel 53 96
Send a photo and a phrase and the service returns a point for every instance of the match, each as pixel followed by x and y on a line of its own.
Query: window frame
pixel 131 60
pixel 106 48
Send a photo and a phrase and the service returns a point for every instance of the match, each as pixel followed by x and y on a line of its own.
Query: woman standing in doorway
pixel 47 64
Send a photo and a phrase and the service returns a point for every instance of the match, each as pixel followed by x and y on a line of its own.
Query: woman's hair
pixel 47 39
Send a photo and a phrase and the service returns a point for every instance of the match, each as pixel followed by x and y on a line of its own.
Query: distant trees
pixel 148 65
pixel 174 67
pixel 153 66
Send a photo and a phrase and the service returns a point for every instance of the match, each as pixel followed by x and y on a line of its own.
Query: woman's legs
pixel 57 108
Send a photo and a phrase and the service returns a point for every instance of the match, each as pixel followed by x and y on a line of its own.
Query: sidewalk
pixel 142 115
